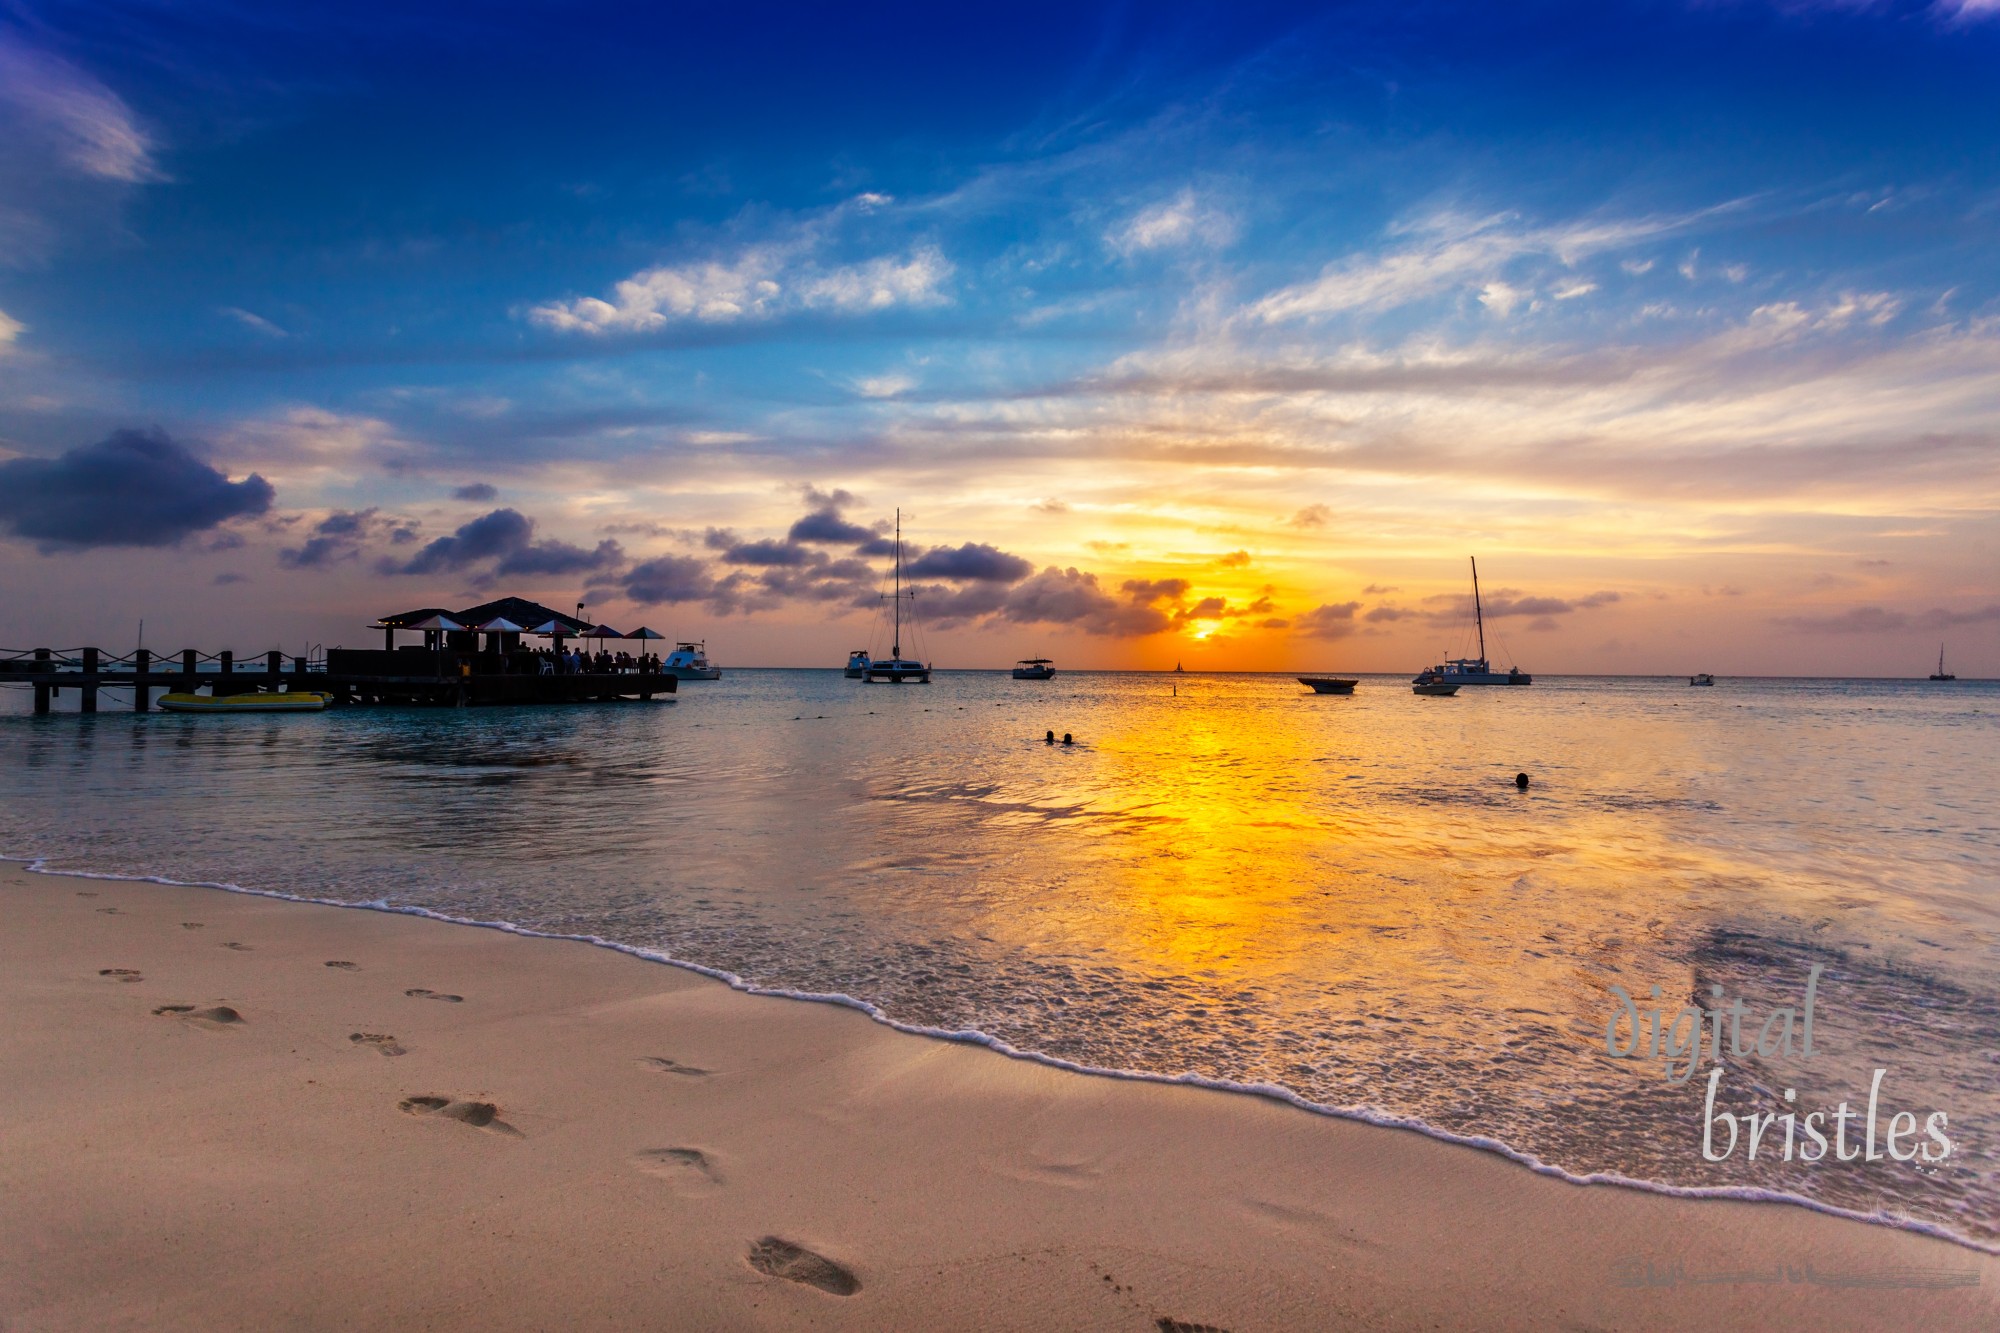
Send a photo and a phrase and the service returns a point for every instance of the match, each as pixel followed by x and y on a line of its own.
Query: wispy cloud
pixel 90 126
pixel 1181 221
pixel 250 320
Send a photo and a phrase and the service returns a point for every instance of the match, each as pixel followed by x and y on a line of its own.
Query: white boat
pixel 689 661
pixel 295 701
pixel 1472 670
pixel 895 669
pixel 857 664
pixel 1034 668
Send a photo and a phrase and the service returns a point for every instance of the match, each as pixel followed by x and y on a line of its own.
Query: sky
pixel 1222 335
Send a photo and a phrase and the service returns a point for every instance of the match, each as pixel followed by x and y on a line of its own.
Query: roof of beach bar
pixel 517 609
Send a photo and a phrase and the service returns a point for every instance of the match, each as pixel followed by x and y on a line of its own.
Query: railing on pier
pixel 89 670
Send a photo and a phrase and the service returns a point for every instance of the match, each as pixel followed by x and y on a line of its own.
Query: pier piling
pixel 89 686
pixel 142 693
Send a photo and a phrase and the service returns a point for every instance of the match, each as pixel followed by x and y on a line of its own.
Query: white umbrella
pixel 434 622
pixel 500 625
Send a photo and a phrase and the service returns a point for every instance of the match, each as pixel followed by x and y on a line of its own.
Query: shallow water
pixel 1343 898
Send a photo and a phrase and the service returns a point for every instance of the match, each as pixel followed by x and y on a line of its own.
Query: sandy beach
pixel 224 1111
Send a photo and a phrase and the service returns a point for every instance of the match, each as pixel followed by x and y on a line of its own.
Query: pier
pixel 460 664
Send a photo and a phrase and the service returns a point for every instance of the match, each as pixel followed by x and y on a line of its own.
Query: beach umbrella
pixel 434 623
pixel 603 632
pixel 500 625
pixel 556 629
pixel 643 633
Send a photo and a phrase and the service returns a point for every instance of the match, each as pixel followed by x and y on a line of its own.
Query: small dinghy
pixel 1329 684
pixel 1437 689
pixel 296 701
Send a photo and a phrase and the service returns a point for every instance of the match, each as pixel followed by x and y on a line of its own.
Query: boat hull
pixel 1035 673
pixel 898 673
pixel 1329 684
pixel 694 673
pixel 1434 691
pixel 300 702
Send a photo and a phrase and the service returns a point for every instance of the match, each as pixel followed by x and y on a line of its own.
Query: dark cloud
pixel 768 553
pixel 136 488
pixel 974 561
pixel 669 579
pixel 1075 598
pixel 506 537
pixel 224 580
pixel 1234 560
pixel 1881 620
pixel 1379 614
pixel 1377 590
pixel 478 492
pixel 1334 620
pixel 335 538
pixel 1450 608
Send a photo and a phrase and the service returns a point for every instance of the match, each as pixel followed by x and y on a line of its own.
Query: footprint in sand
pixel 122 973
pixel 219 1015
pixel 418 992
pixel 232 944
pixel 345 966
pixel 688 1170
pixel 666 1066
pixel 479 1115
pixel 795 1263
pixel 381 1041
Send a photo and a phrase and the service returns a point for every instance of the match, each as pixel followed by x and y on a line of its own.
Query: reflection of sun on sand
pixel 533 1159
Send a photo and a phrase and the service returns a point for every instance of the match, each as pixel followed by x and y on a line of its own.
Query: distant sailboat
pixel 1473 670
pixel 1941 673
pixel 894 668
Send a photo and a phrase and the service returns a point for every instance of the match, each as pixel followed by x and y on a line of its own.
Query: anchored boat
pixel 1034 668
pixel 895 669
pixel 1473 670
pixel 293 701
pixel 1329 684
pixel 689 661
pixel 857 664
pixel 1941 673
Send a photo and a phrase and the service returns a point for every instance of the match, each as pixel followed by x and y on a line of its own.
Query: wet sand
pixel 222 1111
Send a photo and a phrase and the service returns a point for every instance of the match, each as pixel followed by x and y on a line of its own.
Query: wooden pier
pixel 403 676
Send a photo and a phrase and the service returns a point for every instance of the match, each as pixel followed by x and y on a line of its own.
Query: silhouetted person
pixel 1521 781
pixel 1049 739
pixel 1067 740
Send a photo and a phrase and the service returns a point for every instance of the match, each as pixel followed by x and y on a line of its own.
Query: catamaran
pixel 894 668
pixel 1472 670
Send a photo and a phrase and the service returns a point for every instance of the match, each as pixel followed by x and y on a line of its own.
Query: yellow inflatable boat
pixel 301 701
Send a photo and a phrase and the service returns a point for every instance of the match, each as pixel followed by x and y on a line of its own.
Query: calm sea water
pixel 1342 898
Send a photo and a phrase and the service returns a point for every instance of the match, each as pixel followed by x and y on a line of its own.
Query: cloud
pixel 1312 516
pixel 505 537
pixel 253 321
pixel 1049 506
pixel 761 281
pixel 1447 250
pixel 135 488
pixel 1172 224
pixel 1074 598
pixel 89 126
pixel 1880 620
pixel 335 538
pixel 1333 620
pixel 975 561
pixel 11 330
pixel 478 492
pixel 768 553
pixel 1233 560
pixel 825 523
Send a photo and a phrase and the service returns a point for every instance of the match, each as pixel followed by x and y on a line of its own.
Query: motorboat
pixel 1034 668
pixel 1329 684
pixel 290 701
pixel 1473 670
pixel 689 661
pixel 857 664
pixel 895 669
pixel 1435 689
pixel 1701 678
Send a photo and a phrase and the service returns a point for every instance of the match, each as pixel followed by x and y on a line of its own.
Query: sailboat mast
pixel 896 652
pixel 1478 616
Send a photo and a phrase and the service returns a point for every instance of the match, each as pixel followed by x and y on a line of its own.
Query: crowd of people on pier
pixel 581 661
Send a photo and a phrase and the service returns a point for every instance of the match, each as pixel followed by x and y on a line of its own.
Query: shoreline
pixel 616 1143
pixel 973 1037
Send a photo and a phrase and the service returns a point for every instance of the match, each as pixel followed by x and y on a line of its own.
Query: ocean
pixel 1342 901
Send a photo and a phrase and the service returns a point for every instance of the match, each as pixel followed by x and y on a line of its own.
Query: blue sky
pixel 1218 335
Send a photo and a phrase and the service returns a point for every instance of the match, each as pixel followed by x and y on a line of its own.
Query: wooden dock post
pixel 41 688
pixel 142 693
pixel 89 687
pixel 188 664
pixel 226 664
pixel 274 666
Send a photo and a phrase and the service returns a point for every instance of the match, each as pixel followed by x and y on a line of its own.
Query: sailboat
pixel 1472 670
pixel 1941 673
pixel 895 668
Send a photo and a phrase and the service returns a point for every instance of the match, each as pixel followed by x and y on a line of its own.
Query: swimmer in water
pixel 1067 740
